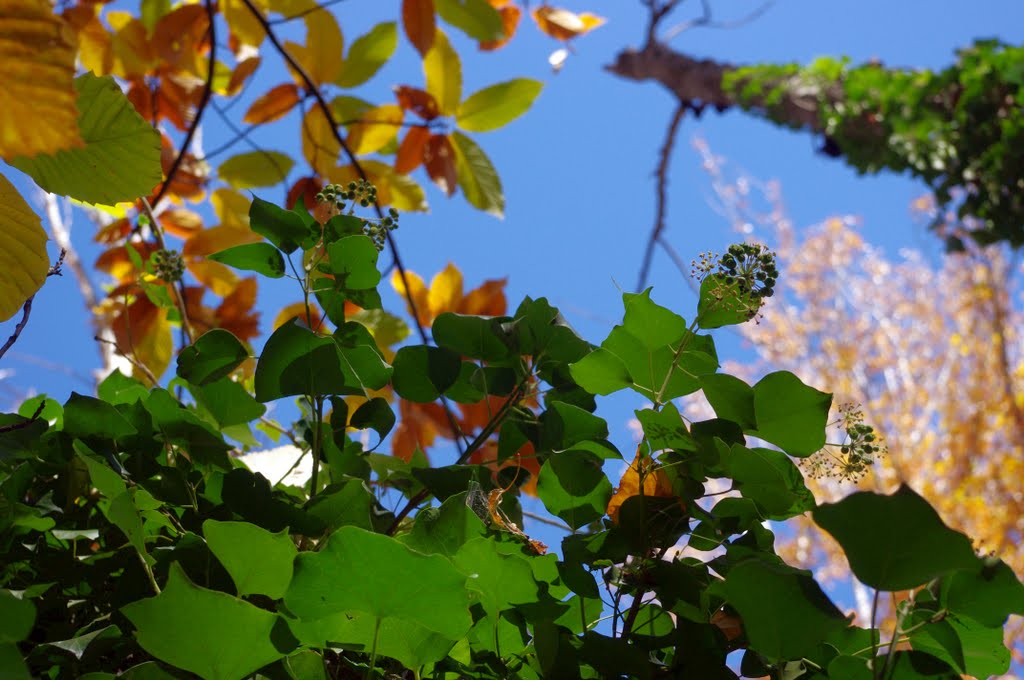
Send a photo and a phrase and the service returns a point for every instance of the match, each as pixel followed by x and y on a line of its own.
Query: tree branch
pixel 660 194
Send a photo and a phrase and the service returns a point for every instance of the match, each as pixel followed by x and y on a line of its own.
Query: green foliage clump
pixel 959 129
pixel 136 543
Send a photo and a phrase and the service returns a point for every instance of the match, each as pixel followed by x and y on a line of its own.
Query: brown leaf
pixel 180 222
pixel 142 98
pixel 439 157
pixel 420 102
pixel 305 188
pixel 115 232
pixel 510 15
pixel 561 24
pixel 242 71
pixel 418 426
pixel 410 151
pixel 730 625
pixel 180 39
pixel 486 300
pixel 273 105
pixel 142 331
pixel 419 23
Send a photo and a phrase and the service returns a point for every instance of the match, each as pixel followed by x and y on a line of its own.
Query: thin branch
pixel 325 108
pixel 665 158
pixel 131 359
pixel 177 286
pixel 204 99
pixel 705 21
pixel 298 15
pixel 25 423
pixel 26 309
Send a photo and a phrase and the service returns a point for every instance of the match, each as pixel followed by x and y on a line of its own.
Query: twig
pixel 298 15
pixel 705 21
pixel 177 286
pixel 546 520
pixel 25 423
pixel 26 309
pixel 204 99
pixel 665 158
pixel 131 359
pixel 325 108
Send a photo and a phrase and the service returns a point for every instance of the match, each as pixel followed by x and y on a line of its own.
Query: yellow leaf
pixel 94 41
pixel 242 23
pixel 319 145
pixel 655 483
pixel 216 239
pixel 219 278
pixel 445 290
pixel 443 71
pixel 376 129
pixel 37 71
pixel 132 51
pixel 232 208
pixel 561 24
pixel 321 56
pixel 418 291
pixel 23 260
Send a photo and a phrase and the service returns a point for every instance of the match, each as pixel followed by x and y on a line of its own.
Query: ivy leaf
pixel 209 633
pixel 895 542
pixel 374 414
pixel 297 361
pixel 476 18
pixel 121 157
pixel 471 336
pixel 574 488
pixel 498 105
pixel 443 72
pixel 731 398
pixel 359 571
pixel 262 258
pixel 228 402
pixel 284 228
pixel 790 414
pixel 502 581
pixel 256 169
pixel 367 54
pixel 17 616
pixel 422 373
pixel 213 356
pixel 23 241
pixel 477 177
pixel 259 561
pixel 988 594
pixel 770 479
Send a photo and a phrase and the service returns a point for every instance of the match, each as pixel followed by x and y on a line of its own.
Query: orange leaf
pixel 218 238
pixel 117 263
pixel 420 102
pixel 418 427
pixel 410 151
pixel 445 292
pixel 655 483
pixel 297 310
pixel 115 232
pixel 142 331
pixel 730 625
pixel 561 24
pixel 133 55
pixel 189 181
pixel 419 23
pixel 242 71
pixel 236 313
pixel 273 105
pixel 510 15
pixel 439 158
pixel 180 222
pixel 142 99
pixel 305 188
pixel 486 300
pixel 176 101
pixel 219 278
pixel 179 39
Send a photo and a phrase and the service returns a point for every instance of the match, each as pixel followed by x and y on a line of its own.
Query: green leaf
pixel 574 488
pixel 284 228
pixel 181 427
pixel 348 504
pixel 770 479
pixel 501 580
pixel 212 634
pixel 213 356
pixel 475 337
pixel 963 643
pixel 360 355
pixel 375 414
pixel 665 429
pixel 359 571
pixel 498 105
pixel 477 176
pixel 261 258
pixel 446 529
pixel 894 542
pixel 23 242
pixel 476 18
pixel 422 373
pixel 653 324
pixel 117 388
pixel 367 54
pixel 790 414
pixel 564 425
pixel 121 157
pixel 149 670
pixel 988 594
pixel 78 645
pixel 17 617
pixel 731 398
pixel 722 304
pixel 228 402
pixel 353 261
pixel 255 169
pixel 443 72
pixel 601 372
pixel 107 481
pixel 785 613
pixel 12 663
pixel 259 562
pixel 90 418
pixel 297 361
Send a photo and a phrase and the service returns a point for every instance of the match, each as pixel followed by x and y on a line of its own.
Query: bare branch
pixel 26 309
pixel 705 21
pixel 665 159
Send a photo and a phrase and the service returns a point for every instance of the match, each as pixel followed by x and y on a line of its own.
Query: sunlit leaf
pixel 510 16
pixel 476 18
pixel 376 129
pixel 420 102
pixel 439 159
pixel 255 169
pixel 37 70
pixel 443 72
pixel 320 145
pixel 259 561
pixel 367 54
pixel 23 244
pixel 213 356
pixel 244 26
pixel 275 104
pixel 262 258
pixel 497 105
pixel 477 177
pixel 410 151
pixel 419 23
pixel 561 24
pixel 120 159
pixel 321 56
pixel 242 72
pixel 643 477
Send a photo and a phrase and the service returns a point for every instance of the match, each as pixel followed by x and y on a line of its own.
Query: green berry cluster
pixel 168 265
pixel 858 451
pixel 751 266
pixel 363 194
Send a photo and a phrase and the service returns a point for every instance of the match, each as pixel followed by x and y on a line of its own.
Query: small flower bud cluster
pixel 364 194
pixel 168 265
pixel 751 266
pixel 858 452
